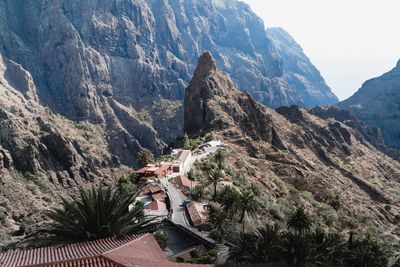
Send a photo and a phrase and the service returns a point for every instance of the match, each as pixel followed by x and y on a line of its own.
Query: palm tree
pixel 214 177
pixel 220 158
pixel 145 157
pixel 268 238
pixel 220 223
pixel 368 252
pixel 300 221
pixel 329 248
pixel 243 249
pixel 229 198
pixel 97 213
pixel 197 193
pixel 295 249
pixel 247 204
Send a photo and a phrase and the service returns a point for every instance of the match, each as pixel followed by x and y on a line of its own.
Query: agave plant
pixel 95 214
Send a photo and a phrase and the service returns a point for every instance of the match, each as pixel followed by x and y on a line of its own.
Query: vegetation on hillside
pixel 265 234
pixel 97 213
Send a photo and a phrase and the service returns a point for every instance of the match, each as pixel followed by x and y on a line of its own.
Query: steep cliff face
pixel 377 103
pixel 306 83
pixel 83 53
pixel 370 133
pixel 295 156
pixel 42 155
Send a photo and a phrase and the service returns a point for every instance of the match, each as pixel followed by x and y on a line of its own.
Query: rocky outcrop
pixel 376 103
pixel 42 155
pixel 370 133
pixel 212 103
pixel 293 148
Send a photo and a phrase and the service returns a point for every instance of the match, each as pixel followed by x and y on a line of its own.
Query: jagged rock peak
pixel 213 103
pixel 206 64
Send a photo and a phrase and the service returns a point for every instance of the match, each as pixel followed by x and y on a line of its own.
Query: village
pixel 165 197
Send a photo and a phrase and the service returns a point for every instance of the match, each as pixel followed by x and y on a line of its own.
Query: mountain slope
pixel 306 82
pixel 377 103
pixel 42 155
pixel 82 52
pixel 296 157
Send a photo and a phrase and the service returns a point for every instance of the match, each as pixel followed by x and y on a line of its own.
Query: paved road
pixel 179 212
pixel 176 199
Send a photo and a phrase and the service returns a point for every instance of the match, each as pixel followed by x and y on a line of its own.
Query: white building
pixel 182 160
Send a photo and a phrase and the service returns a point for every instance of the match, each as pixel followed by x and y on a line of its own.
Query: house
pixel 156 208
pixel 159 196
pixel 154 201
pixel 130 251
pixel 183 182
pixel 182 160
pixel 153 189
pixel 198 215
pixel 160 170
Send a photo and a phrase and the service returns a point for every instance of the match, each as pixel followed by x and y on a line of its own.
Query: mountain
pixel 42 155
pixel 86 85
pixel 377 103
pixel 87 58
pixel 307 86
pixel 370 133
pixel 296 157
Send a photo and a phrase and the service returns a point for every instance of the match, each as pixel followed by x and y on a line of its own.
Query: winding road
pixel 178 210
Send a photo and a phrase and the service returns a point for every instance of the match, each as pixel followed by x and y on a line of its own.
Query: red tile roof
pixel 157 206
pixel 146 168
pixel 198 213
pixel 133 251
pixel 154 189
pixel 159 196
pixel 185 182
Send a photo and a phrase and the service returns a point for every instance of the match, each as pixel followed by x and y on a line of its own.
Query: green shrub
pixel 335 202
pixel 179 259
pixel 213 253
pixel 210 137
pixel 206 259
pixel 194 254
pixel 161 238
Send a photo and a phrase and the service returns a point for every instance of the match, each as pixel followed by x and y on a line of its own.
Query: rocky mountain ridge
pixel 377 103
pixel 369 132
pixel 42 155
pixel 84 54
pixel 295 156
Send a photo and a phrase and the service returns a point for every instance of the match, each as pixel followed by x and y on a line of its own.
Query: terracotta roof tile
pixel 198 214
pixel 159 196
pixel 185 182
pixel 157 205
pixel 133 251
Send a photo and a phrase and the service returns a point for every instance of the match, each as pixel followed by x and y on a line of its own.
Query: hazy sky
pixel 349 41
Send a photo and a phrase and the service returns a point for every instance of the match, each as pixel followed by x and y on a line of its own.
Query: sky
pixel 349 41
